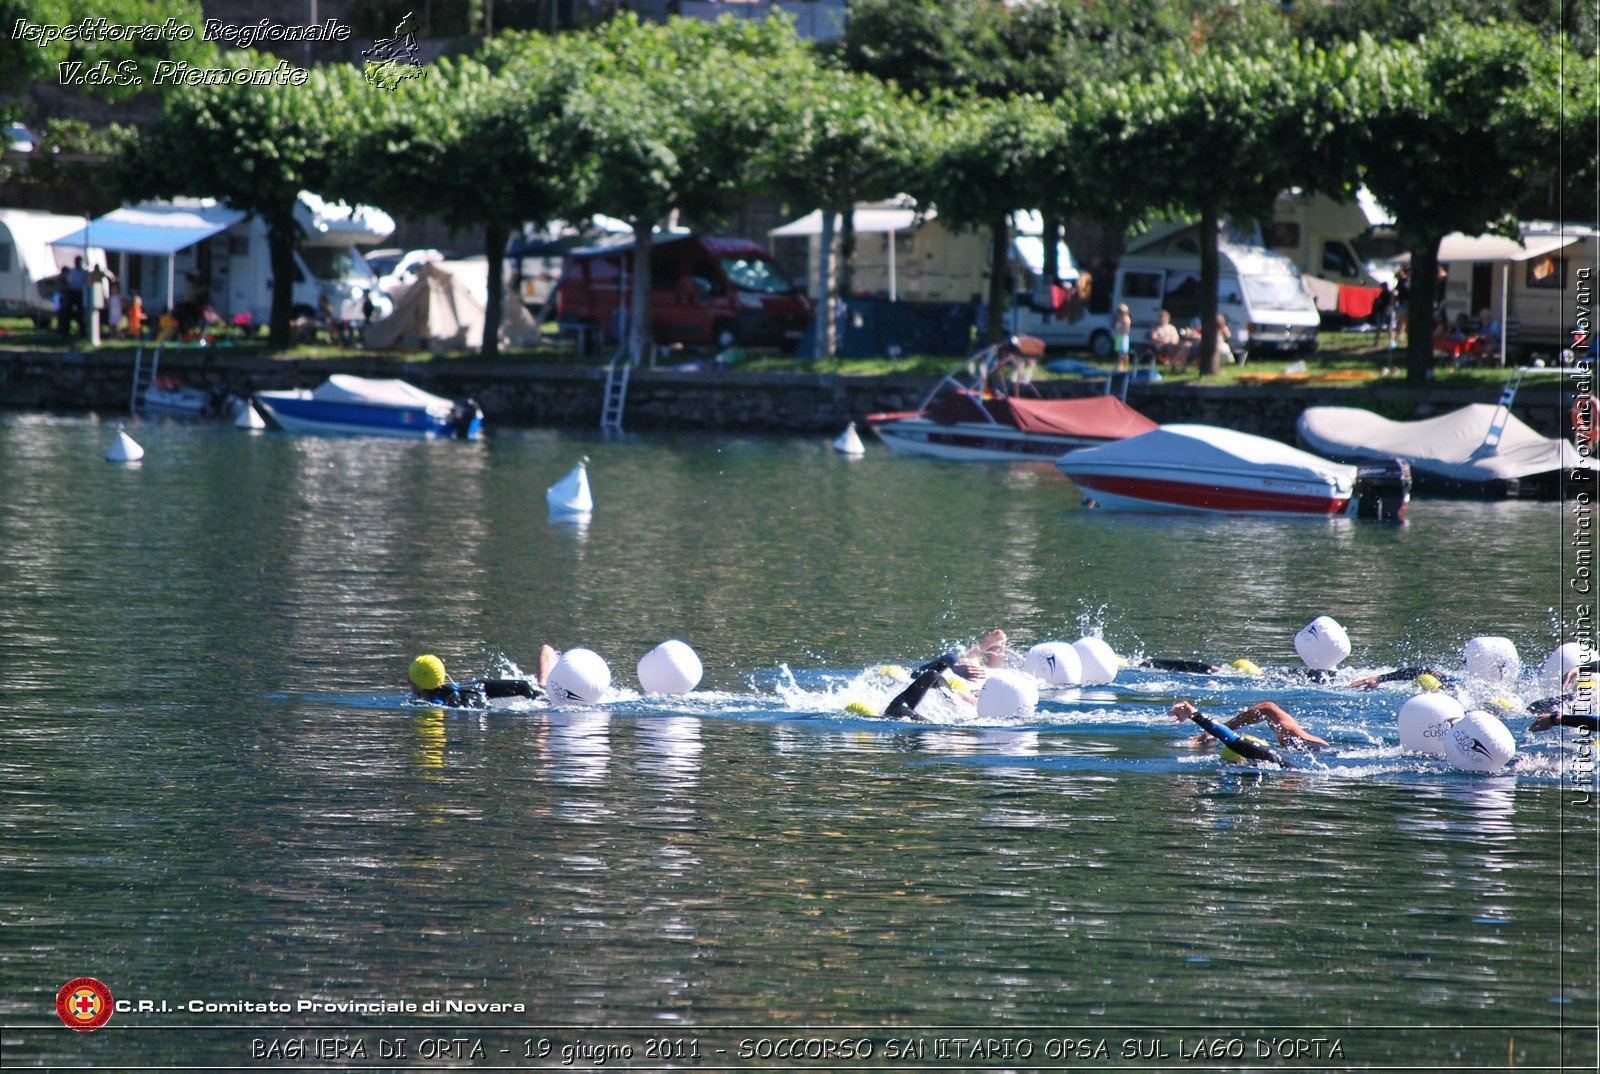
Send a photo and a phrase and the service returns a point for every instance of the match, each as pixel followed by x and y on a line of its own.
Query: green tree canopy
pixel 1220 133
pixel 472 142
pixel 1468 114
pixel 255 148
pixel 672 119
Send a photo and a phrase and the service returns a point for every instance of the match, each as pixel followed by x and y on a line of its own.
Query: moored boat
pixel 1479 451
pixel 969 415
pixel 1207 468
pixel 368 406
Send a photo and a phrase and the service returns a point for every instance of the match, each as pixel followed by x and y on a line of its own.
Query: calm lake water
pixel 215 793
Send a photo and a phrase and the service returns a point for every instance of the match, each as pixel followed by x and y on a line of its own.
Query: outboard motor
pixel 466 418
pixel 1382 490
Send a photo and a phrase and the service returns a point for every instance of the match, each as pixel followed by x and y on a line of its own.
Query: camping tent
pixel 438 311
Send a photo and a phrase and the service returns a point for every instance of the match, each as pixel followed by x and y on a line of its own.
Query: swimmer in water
pixel 972 666
pixel 430 682
pixel 1556 711
pixel 1287 729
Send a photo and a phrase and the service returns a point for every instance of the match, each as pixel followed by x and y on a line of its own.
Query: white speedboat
pixel 367 406
pixel 968 416
pixel 1206 468
pixel 1478 451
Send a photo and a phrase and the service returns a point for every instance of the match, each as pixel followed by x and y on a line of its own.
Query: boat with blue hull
pixel 348 405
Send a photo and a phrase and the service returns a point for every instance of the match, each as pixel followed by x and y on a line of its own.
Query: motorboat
pixel 1479 451
pixel 167 395
pixel 969 415
pixel 369 406
pixel 1207 468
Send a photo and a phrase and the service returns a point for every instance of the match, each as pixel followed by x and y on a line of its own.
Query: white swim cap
pixel 1492 659
pixel 1099 661
pixel 1008 695
pixel 670 668
pixel 580 677
pixel 1424 719
pixel 1479 743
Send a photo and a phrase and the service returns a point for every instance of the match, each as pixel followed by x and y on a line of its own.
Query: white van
pixel 30 267
pixel 1268 307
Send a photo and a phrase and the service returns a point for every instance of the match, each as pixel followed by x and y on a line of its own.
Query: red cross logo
pixel 84 1004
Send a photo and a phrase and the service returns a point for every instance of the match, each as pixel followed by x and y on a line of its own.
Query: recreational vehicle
pixel 30 268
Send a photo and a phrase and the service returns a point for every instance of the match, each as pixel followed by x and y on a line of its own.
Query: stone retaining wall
pixel 540 395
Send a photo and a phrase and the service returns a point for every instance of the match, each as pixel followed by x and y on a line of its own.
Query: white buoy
pixel 1478 742
pixel 1425 719
pixel 1492 660
pixel 849 442
pixel 570 495
pixel 1322 643
pixel 1098 659
pixel 124 448
pixel 580 677
pixel 249 417
pixel 1008 695
pixel 670 668
pixel 1561 663
pixel 1054 663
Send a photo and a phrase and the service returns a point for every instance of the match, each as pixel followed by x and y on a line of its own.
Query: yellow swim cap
pixel 1249 667
pixel 1504 703
pixel 1426 681
pixel 860 708
pixel 894 672
pixel 427 673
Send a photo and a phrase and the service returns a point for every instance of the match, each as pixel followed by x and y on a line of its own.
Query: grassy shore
pixel 1353 359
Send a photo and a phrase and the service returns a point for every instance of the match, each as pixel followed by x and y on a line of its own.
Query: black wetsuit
pixel 1585 721
pixel 923 679
pixel 1193 667
pixel 1249 748
pixel 1407 674
pixel 477 693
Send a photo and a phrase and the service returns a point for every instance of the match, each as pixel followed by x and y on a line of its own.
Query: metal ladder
pixel 1502 414
pixel 616 393
pixel 142 379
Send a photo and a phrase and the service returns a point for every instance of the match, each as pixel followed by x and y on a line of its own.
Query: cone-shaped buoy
pixel 124 448
pixel 570 495
pixel 849 442
pixel 249 417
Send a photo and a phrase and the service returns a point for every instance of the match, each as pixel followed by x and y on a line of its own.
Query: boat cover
pixel 1448 445
pixel 1203 450
pixel 1102 417
pixel 379 391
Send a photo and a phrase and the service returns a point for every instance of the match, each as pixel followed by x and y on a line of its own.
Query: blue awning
pixel 161 230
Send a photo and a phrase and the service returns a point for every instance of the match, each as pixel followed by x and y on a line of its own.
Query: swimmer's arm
pixel 496 688
pixel 1398 674
pixel 1287 728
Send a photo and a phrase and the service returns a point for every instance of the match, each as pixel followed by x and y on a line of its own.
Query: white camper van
pixel 30 267
pixel 1262 294
pixel 165 250
pixel 1346 242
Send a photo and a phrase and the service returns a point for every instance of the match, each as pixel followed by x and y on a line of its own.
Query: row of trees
pixel 644 121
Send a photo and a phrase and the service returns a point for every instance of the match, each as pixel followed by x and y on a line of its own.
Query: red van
pixel 723 292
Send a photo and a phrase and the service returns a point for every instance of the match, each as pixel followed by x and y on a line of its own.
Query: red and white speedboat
pixel 970 417
pixel 1206 468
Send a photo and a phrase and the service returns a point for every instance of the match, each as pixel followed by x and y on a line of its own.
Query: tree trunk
pixel 1050 235
pixel 999 277
pixel 823 344
pixel 640 330
pixel 494 249
pixel 847 247
pixel 1420 304
pixel 281 234
pixel 1210 275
